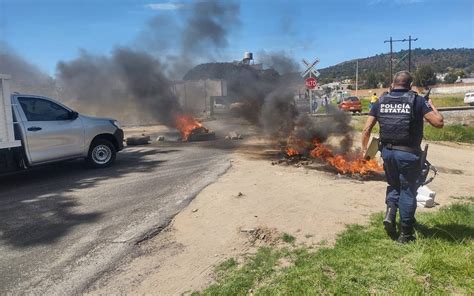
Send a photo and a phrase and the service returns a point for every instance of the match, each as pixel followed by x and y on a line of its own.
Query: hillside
pixel 440 59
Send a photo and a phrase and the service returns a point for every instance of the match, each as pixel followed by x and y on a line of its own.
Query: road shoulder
pixel 255 196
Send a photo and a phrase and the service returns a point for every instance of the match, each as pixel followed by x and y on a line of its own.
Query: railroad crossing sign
pixel 310 82
pixel 310 68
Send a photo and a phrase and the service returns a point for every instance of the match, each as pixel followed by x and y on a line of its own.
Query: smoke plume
pixel 194 35
pixel 281 61
pixel 129 84
pixel 336 124
pixel 26 77
pixel 209 23
pixel 279 113
pixel 281 120
pixel 134 82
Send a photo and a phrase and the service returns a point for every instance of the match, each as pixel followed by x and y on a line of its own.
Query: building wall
pixel 464 117
pixel 196 96
pixel 453 88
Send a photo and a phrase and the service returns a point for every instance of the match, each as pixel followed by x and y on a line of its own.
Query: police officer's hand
pixel 434 117
pixel 430 102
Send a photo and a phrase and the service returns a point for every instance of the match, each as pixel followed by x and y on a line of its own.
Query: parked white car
pixel 469 98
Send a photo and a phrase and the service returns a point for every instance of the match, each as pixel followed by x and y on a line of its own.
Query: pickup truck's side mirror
pixel 73 115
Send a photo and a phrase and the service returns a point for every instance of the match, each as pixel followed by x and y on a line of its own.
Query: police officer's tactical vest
pixel 396 118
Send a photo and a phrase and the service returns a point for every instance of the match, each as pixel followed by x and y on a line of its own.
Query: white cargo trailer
pixel 7 137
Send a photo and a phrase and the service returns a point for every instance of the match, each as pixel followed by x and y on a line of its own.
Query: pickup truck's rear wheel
pixel 101 154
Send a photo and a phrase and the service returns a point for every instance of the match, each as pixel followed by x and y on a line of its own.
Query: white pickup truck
pixel 35 130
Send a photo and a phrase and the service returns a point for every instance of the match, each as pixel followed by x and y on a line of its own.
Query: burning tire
pixel 102 154
pixel 192 130
pixel 201 134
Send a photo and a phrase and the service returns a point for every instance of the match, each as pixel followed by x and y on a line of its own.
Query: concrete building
pixel 199 96
pixel 336 86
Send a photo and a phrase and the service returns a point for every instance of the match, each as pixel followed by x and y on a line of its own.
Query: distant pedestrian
pixel 373 100
pixel 315 106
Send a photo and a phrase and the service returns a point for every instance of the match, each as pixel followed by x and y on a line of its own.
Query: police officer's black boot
pixel 389 221
pixel 407 234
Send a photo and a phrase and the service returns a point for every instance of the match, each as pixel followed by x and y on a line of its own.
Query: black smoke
pixel 197 33
pixel 26 77
pixel 129 84
pixel 280 61
pixel 336 124
pixel 134 82
pixel 279 113
pixel 208 26
pixel 281 120
pixel 246 85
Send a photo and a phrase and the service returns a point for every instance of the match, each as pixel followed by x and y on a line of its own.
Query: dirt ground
pixel 254 203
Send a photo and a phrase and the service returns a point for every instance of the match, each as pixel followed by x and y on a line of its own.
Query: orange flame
pixel 345 163
pixel 186 123
pixel 349 163
pixel 295 146
pixel 291 151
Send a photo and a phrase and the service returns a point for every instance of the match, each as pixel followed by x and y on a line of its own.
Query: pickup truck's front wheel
pixel 101 154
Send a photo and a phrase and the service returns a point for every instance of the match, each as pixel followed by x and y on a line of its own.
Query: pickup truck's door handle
pixel 34 128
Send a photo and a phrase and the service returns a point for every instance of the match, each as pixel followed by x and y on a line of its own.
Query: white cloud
pixel 399 2
pixel 165 6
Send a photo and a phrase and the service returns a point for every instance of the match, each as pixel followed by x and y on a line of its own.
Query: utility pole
pixel 391 57
pixel 310 98
pixel 391 41
pixel 357 77
pixel 409 52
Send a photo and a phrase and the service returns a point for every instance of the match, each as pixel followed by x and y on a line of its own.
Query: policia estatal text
pixel 400 114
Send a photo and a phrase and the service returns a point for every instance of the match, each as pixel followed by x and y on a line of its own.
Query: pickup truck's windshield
pixel 37 109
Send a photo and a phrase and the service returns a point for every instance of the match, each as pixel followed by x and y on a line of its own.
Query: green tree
pixel 383 78
pixel 371 81
pixel 425 76
pixel 450 78
pixel 453 75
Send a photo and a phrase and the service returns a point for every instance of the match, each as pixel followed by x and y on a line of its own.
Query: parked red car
pixel 352 104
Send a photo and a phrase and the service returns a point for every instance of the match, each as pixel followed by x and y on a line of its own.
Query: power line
pixel 391 41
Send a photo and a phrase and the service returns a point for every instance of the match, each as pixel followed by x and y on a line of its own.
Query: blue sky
pixel 47 31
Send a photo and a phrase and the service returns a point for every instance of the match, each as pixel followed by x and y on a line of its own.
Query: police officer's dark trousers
pixel 402 170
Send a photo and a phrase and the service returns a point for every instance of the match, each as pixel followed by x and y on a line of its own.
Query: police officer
pixel 400 116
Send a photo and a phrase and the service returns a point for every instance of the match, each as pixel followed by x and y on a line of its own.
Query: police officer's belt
pixel 401 148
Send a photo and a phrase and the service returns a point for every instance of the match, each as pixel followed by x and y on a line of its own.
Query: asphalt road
pixel 63 226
